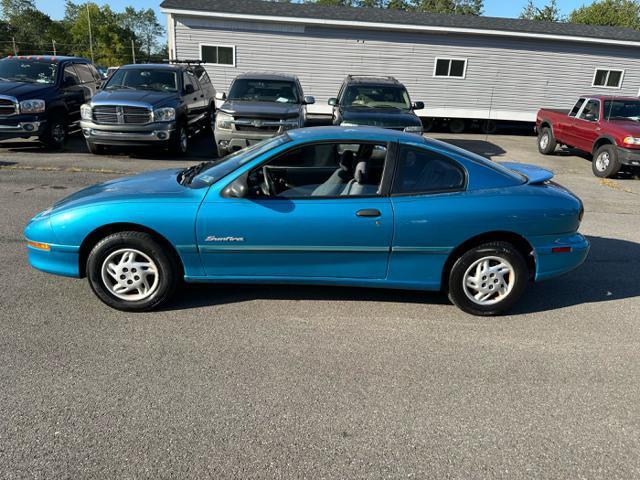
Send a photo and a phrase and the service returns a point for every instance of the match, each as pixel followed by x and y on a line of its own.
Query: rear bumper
pixel 628 156
pixel 556 255
pixel 151 134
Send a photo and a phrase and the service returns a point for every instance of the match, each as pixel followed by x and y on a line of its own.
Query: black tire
pixel 428 124
pixel 488 126
pixel 457 125
pixel 95 149
pixel 546 141
pixel 56 131
pixel 109 247
pixel 179 143
pixel 505 252
pixel 605 163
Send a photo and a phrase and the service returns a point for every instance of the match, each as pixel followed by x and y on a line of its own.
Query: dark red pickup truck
pixel 607 127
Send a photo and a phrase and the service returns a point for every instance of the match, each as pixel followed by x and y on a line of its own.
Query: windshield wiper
pixel 187 175
pixel 116 87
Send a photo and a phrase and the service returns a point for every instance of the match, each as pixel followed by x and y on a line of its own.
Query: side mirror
pixel 308 100
pixel 221 96
pixel 239 188
pixel 333 101
pixel 68 82
pixel 418 105
pixel 188 89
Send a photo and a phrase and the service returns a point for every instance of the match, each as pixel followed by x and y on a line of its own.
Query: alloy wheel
pixel 130 274
pixel 489 280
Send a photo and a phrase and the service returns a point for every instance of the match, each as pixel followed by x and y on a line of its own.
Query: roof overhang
pixel 395 27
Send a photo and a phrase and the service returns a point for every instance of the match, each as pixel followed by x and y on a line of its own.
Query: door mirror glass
pixel 238 188
pixel 309 100
pixel 333 101
pixel 188 89
pixel 418 105
pixel 221 96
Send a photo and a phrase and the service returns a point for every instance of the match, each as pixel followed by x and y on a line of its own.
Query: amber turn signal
pixel 38 245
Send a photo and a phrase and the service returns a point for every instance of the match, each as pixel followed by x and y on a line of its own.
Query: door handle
pixel 368 212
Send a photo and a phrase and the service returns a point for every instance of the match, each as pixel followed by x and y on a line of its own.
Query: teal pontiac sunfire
pixel 353 206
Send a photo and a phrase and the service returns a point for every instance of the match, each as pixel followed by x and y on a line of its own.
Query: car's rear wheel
pixel 605 163
pixel 488 279
pixel 131 271
pixel 546 141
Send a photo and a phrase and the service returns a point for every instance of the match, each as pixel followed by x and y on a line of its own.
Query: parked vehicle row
pixel 606 127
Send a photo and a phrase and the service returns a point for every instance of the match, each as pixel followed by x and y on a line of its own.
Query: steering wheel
pixel 268 186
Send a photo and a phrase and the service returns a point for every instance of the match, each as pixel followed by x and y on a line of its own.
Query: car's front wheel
pixel 179 144
pixel 605 163
pixel 131 271
pixel 56 131
pixel 488 279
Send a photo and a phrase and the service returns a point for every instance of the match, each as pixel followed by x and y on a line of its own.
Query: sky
pixel 492 8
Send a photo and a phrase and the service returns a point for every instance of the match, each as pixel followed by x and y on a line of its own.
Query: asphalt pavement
pixel 316 382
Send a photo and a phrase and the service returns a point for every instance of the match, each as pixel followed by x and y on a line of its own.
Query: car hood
pixel 157 186
pixel 628 126
pixel 133 97
pixel 261 109
pixel 380 117
pixel 24 90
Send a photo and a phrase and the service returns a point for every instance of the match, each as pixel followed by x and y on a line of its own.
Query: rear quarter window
pixel 426 171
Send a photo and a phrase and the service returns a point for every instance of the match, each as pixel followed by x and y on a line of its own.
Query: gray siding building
pixel 460 66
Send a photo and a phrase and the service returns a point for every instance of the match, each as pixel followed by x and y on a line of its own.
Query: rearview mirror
pixel 188 89
pixel 333 101
pixel 221 96
pixel 418 105
pixel 239 188
pixel 308 100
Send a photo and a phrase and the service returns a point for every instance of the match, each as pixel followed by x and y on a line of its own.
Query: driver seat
pixel 336 182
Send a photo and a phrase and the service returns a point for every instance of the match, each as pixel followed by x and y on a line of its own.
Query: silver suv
pixel 259 106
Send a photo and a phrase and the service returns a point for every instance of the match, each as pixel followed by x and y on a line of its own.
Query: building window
pixel 450 67
pixel 218 54
pixel 608 78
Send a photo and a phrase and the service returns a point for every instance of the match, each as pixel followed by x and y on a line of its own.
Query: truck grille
pixel 256 125
pixel 7 107
pixel 114 115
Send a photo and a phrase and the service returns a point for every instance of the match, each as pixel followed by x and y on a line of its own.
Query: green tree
pixel 614 13
pixel 144 26
pixel 549 13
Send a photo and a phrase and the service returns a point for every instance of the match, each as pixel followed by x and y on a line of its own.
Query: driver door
pixel 315 221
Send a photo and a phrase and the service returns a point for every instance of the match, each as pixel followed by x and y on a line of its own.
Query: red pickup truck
pixel 607 127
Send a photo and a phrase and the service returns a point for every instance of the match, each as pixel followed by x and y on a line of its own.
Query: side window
pixel 607 78
pixel 591 111
pixel 194 81
pixel 450 67
pixel 576 108
pixel 85 74
pixel 321 170
pixel 70 77
pixel 188 80
pixel 202 76
pixel 424 171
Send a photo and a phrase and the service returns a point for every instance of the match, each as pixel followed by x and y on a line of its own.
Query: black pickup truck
pixel 150 105
pixel 40 96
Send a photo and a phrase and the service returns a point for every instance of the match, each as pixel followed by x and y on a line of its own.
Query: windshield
pixel 251 90
pixel 622 109
pixel 161 80
pixel 32 71
pixel 368 96
pixel 228 164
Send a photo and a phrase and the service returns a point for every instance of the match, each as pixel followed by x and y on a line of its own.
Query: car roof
pixel 610 97
pixel 268 76
pixel 51 58
pixel 371 80
pixel 353 133
pixel 165 66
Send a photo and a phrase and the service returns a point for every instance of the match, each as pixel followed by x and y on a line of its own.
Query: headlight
pixel 166 114
pixel 223 121
pixel 32 106
pixel 349 124
pixel 85 112
pixel 415 129
pixel 631 140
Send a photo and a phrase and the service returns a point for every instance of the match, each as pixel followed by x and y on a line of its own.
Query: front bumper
pixel 21 126
pixel 122 134
pixel 629 156
pixel 556 255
